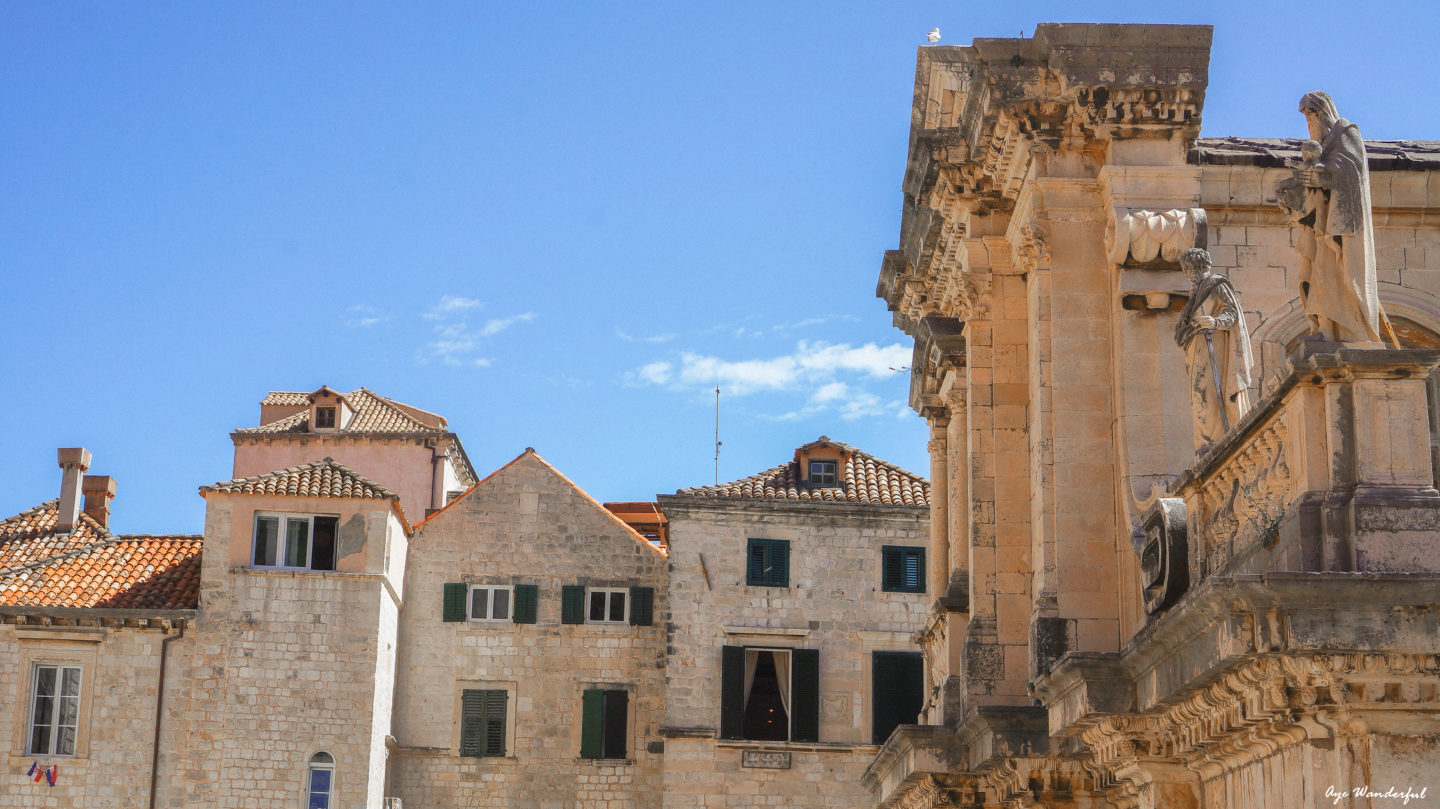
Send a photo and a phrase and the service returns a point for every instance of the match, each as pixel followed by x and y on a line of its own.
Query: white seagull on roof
pixel 933 36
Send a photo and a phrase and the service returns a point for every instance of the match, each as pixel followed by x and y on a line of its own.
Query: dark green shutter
pixel 898 684
pixel 893 568
pixel 526 603
pixel 780 563
pixel 642 605
pixel 902 569
pixel 915 570
pixel 572 604
pixel 592 723
pixel 732 692
pixel 495 723
pixel 755 573
pixel 617 706
pixel 482 722
pixel 804 695
pixel 455 601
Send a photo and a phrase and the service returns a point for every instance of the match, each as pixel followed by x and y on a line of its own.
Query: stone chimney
pixel 73 463
pixel 99 491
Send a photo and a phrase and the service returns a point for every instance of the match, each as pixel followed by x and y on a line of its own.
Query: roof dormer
pixel 329 411
pixel 821 463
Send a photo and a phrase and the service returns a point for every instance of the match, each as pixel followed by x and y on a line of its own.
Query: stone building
pixel 532 651
pixel 794 597
pixel 409 450
pixel 1142 610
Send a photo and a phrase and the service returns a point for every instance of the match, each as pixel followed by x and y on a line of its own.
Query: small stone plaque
pixel 765 759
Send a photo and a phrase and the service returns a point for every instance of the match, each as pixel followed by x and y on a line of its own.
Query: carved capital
pixel 1031 248
pixel 1143 238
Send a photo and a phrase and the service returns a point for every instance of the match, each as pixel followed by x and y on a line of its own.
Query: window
pixel 489 603
pixel 54 711
pixel 606 606
pixel 324 418
pixel 482 723
pixel 823 472
pixel 295 541
pixel 768 563
pixel 902 569
pixel 770 694
pixel 322 777
pixel 603 723
pixel 897 688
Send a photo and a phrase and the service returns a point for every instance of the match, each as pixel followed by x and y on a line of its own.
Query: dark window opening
pixel 902 569
pixel 322 555
pixel 324 417
pixel 766 717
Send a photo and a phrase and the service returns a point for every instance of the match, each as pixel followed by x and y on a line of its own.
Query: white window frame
pixel 282 538
pixel 490 604
pixel 54 719
pixel 834 472
pixel 326 766
pixel 610 593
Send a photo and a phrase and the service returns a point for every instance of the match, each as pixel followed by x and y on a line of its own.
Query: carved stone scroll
pixel 1147 238
pixel 1164 569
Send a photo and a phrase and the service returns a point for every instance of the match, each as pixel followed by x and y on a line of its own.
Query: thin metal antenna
pixel 717 435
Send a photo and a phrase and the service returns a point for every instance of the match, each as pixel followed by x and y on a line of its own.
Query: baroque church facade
pixel 1179 547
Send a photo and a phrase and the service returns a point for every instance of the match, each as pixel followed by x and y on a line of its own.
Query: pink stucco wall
pixel 402 467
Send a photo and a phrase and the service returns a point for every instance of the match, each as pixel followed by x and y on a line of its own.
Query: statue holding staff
pixel 1212 332
pixel 1328 195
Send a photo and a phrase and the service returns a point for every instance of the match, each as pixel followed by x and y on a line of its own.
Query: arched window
pixel 322 774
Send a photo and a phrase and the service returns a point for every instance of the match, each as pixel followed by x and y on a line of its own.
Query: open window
pixel 770 694
pixel 295 541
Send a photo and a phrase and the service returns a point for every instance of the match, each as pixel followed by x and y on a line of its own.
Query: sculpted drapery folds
pixel 1212 332
pixel 1329 197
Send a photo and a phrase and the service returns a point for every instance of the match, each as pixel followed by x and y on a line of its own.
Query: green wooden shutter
pixel 617 707
pixel 495 722
pixel 642 605
pixel 915 570
pixel 755 566
pixel 898 683
pixel 892 568
pixel 455 601
pixel 572 604
pixel 592 723
pixel 780 563
pixel 472 723
pixel 804 695
pixel 732 692
pixel 527 600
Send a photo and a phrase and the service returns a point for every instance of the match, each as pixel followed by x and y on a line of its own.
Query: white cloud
pixel 451 305
pixel 499 324
pixel 826 374
pixel 649 338
pixel 456 343
pixel 363 316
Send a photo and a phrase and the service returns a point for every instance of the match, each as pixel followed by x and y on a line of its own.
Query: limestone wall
pixel 287 664
pixel 834 604
pixel 527 525
pixel 119 682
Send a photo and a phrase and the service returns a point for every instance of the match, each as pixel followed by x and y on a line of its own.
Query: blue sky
pixel 558 226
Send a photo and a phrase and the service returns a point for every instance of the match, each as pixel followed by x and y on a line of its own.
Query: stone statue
pixel 1328 195
pixel 1216 342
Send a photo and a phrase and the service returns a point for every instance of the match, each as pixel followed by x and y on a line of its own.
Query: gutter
pixel 160 711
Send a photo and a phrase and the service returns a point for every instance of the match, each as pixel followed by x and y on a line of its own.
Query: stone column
pixel 957 464
pixel 939 505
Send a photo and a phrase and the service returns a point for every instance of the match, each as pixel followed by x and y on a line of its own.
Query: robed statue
pixel 1212 332
pixel 1328 195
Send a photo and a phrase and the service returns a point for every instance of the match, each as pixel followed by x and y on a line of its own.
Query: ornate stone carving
pixel 765 759
pixel 1142 237
pixel 1212 332
pixel 1244 500
pixel 1031 249
pixel 1328 195
pixel 1164 559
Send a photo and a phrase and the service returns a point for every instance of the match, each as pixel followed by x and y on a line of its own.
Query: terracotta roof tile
pixel 373 414
pixel 89 567
pixel 864 479
pixel 324 478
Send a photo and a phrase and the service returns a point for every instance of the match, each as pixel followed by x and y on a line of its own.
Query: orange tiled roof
pixel 373 414
pixel 864 479
pixel 324 478
pixel 90 567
